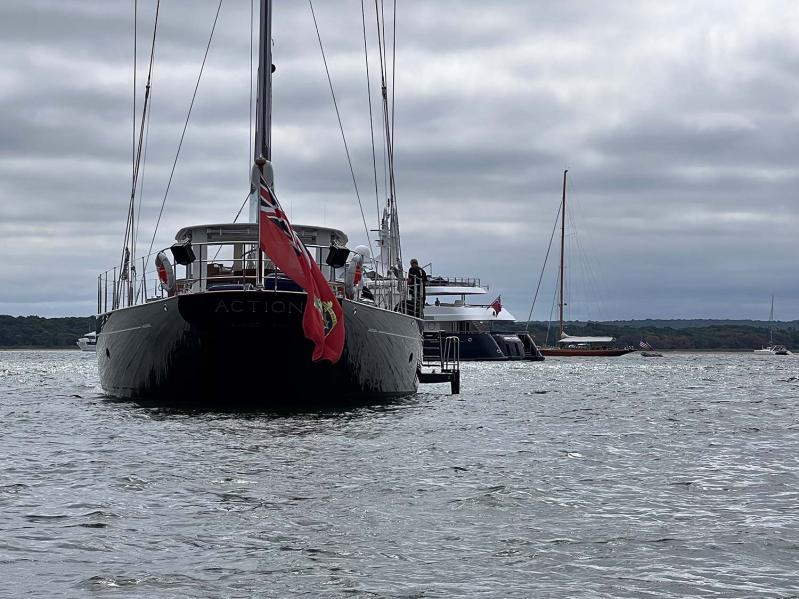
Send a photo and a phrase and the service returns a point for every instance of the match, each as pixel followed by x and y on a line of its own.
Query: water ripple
pixel 604 478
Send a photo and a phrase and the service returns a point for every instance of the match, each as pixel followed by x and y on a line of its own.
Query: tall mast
pixel 262 153
pixel 771 323
pixel 562 248
pixel 263 111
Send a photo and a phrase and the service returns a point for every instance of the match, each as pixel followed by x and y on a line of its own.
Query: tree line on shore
pixel 676 335
pixel 39 332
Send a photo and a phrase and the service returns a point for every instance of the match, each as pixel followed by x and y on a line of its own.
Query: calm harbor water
pixel 623 477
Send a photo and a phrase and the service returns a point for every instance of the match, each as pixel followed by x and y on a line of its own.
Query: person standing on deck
pixel 417 281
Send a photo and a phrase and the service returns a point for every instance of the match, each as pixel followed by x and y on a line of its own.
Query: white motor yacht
pixel 88 342
pixel 477 324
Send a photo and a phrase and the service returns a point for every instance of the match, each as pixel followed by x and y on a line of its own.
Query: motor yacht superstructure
pixel 481 327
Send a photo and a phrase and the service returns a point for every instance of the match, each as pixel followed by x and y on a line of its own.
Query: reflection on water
pixel 623 477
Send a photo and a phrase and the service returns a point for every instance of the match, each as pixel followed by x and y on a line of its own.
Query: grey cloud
pixel 677 122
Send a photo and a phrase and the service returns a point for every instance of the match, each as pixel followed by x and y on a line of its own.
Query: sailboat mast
pixel 562 248
pixel 262 153
pixel 771 324
pixel 263 111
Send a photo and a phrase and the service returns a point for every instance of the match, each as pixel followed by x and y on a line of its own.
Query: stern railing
pixel 220 266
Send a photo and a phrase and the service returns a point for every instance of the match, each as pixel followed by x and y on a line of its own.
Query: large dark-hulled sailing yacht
pixel 217 318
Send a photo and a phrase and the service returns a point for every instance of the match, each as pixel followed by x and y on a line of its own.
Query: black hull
pixel 492 347
pixel 247 347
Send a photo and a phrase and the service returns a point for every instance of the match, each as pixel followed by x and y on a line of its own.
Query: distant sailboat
pixel 772 350
pixel 567 345
pixel 649 351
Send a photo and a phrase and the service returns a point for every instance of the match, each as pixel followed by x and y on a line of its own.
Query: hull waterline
pixel 556 352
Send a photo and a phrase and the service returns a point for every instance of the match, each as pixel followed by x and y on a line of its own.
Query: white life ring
pixel 166 274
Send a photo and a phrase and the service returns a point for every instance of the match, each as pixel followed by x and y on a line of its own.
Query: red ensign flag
pixel 323 319
pixel 497 304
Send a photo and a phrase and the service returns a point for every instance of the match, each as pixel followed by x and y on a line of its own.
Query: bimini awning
pixel 587 340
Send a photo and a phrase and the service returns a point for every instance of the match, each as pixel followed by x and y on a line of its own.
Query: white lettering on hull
pixel 257 307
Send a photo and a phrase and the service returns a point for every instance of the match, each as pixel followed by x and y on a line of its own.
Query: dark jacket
pixel 417 276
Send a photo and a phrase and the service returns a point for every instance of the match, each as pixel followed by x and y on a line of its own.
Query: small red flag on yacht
pixel 497 304
pixel 323 318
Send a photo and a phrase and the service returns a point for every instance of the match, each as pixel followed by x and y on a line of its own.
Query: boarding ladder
pixel 441 360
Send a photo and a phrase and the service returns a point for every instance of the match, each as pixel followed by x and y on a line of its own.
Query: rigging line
pixel 589 267
pixel 380 14
pixel 135 64
pixel 381 29
pixel 126 256
pixel 392 182
pixel 133 119
pixel 185 126
pixel 141 188
pixel 145 116
pixel 247 197
pixel 144 164
pixel 541 276
pixel 551 311
pixel 393 72
pixel 383 22
pixel 392 85
pixel 371 118
pixel 341 127
pixel 593 273
pixel 588 289
pixel 381 50
pixel 394 258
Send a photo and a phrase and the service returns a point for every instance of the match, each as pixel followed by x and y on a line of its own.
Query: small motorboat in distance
pixel 88 342
pixel 774 350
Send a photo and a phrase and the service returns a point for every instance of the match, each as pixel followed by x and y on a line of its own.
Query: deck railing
pixel 437 281
pixel 139 283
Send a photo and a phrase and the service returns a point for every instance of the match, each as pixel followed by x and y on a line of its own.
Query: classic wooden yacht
pixel 567 345
pixel 586 346
pixel 481 328
pixel 264 312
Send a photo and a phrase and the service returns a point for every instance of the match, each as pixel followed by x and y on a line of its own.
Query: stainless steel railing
pixel 438 281
pixel 139 283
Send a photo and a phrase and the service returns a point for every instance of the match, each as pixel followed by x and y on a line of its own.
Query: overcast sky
pixel 678 122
